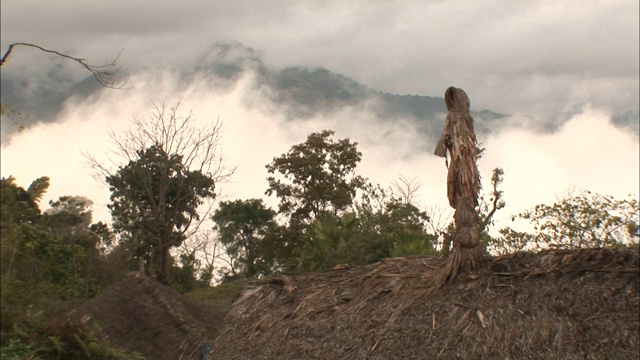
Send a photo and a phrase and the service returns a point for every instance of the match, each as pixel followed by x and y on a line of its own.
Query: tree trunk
pixel 161 260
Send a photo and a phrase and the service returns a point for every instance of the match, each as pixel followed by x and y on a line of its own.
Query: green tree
pixel 44 267
pixel 578 220
pixel 318 176
pixel 186 275
pixel 408 226
pixel 382 224
pixel 165 186
pixel 70 218
pixel 19 212
pixel 155 198
pixel 314 178
pixel 58 246
pixel 282 247
pixel 242 226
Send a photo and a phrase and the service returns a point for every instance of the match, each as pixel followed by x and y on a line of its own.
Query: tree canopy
pixel 155 199
pixel 318 177
pixel 242 226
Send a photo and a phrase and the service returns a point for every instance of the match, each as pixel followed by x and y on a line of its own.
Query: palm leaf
pixel 38 188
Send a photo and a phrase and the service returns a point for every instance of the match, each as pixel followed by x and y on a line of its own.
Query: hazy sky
pixel 572 60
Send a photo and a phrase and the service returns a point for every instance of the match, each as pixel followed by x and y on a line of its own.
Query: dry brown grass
pixel 559 304
pixel 581 304
pixel 141 315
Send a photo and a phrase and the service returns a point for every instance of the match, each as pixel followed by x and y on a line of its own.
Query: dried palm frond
pixel 463 181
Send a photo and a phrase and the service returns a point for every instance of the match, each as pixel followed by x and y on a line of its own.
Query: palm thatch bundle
pixel 555 304
pixel 463 181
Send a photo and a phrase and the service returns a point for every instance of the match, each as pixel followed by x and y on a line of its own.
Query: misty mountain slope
pixel 41 99
pixel 306 92
pixel 297 93
pixel 302 93
pixel 629 119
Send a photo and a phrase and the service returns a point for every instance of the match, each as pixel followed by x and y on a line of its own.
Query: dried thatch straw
pixel 139 314
pixel 580 304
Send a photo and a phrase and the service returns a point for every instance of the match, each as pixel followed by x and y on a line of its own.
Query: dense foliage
pixel 242 225
pixel 328 215
pixel 51 262
pixel 578 220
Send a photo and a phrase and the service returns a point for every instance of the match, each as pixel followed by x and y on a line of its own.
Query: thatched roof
pixel 581 304
pixel 139 314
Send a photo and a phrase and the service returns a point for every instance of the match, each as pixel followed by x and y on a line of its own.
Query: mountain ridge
pixel 299 93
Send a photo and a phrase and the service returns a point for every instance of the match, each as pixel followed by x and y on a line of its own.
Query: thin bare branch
pixel 106 75
pixel 409 189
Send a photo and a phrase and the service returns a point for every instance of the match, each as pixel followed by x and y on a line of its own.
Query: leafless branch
pixel 409 189
pixel 439 220
pixel 206 247
pixel 106 75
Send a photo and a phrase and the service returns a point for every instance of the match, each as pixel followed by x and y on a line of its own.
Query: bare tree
pixel 207 249
pixel 439 222
pixel 162 172
pixel 408 189
pixel 108 75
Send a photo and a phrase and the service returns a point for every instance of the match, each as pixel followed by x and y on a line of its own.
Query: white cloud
pixel 587 153
pixel 535 58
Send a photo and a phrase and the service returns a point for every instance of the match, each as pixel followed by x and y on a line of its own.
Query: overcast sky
pixel 535 60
